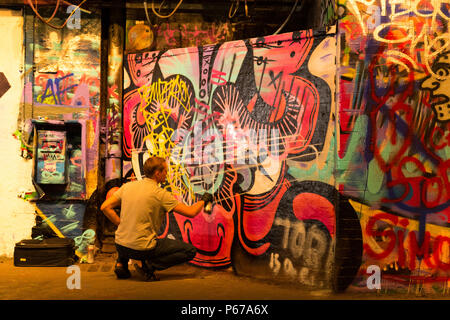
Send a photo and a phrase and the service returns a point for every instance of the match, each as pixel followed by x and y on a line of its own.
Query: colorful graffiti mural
pixel 250 121
pixel 255 122
pixel 393 150
pixel 62 82
pixel 326 151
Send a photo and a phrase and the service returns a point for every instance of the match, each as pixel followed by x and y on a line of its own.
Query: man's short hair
pixel 153 164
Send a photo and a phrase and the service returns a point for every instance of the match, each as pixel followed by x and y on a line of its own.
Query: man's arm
pixel 193 210
pixel 107 208
pixel 189 211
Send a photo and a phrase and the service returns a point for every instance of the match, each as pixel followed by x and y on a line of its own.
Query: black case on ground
pixel 52 252
pixel 42 231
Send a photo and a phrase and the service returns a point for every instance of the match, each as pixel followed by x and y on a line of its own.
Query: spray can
pixel 90 254
pixel 208 208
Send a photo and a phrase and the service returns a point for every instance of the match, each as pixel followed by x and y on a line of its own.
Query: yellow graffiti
pixel 168 95
pixel 354 8
pixel 399 8
pixel 417 23
pixel 159 102
pixel 391 57
pixel 406 8
pixel 440 45
pixel 48 100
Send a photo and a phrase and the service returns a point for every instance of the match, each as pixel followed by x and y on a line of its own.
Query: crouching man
pixel 143 205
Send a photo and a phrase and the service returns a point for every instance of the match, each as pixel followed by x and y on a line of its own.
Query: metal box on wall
pixel 51 160
pixel 59 159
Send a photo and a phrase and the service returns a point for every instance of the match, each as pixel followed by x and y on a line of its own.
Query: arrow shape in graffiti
pixel 4 84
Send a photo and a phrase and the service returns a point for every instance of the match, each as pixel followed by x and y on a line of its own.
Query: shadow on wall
pixel 95 219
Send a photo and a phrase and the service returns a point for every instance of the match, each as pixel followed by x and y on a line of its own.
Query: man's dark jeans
pixel 165 254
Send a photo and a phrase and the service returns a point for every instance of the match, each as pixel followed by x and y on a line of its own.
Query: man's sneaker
pixel 145 272
pixel 121 272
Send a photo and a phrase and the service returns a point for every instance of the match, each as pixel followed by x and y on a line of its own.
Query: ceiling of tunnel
pixel 250 18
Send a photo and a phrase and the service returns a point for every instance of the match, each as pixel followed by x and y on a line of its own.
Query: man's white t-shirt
pixel 143 206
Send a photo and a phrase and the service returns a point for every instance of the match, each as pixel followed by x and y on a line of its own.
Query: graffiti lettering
pixel 56 89
pixel 63 90
pixel 162 92
pixel 391 48
pixel 442 142
pixel 406 243
pixel 402 30
pixel 398 8
pixel 423 185
pixel 200 146
pixel 293 236
pixel 308 247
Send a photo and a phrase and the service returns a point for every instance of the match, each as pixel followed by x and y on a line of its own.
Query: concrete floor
pixel 183 282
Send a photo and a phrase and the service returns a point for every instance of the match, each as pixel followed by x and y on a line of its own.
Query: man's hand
pixel 207 197
pixel 192 210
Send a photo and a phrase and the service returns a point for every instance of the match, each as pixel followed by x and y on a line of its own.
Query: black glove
pixel 207 197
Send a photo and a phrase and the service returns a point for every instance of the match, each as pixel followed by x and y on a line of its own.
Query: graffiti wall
pixel 255 123
pixel 65 81
pixel 252 122
pixel 61 91
pixel 325 150
pixel 393 136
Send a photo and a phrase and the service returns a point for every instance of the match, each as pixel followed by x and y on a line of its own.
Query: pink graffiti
pixel 192 34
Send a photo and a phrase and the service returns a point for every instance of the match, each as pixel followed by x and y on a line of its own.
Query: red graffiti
pixel 213 234
pixel 348 114
pixel 421 185
pixel 423 188
pixel 112 92
pixel 311 206
pixel 214 116
pixel 433 260
pixel 398 106
pixel 254 225
pixel 438 139
pixel 218 75
pixel 191 34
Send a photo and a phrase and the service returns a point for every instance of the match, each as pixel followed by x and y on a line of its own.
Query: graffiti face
pixel 233 119
pixel 439 85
